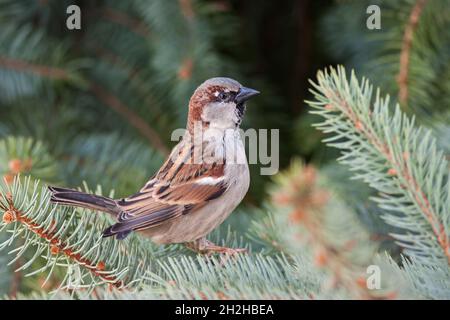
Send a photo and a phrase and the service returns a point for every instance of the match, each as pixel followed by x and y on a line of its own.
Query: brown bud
pixel 361 282
pixel 15 166
pixel 320 258
pixel 8 217
pixel 392 172
pixel 185 71
pixel 8 178
pixel 222 296
pixel 297 216
pixel 203 296
pixel 281 198
pixel 101 266
pixel 54 250
pixel 186 8
pixel 359 126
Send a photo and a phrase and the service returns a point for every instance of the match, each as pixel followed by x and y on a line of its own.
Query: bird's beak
pixel 244 94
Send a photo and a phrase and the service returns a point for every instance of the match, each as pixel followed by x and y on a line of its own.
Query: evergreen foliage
pixel 421 80
pixel 398 160
pixel 94 109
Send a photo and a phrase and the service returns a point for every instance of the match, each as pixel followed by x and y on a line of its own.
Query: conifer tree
pixel 94 108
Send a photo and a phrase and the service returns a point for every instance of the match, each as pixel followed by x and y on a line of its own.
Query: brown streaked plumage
pixel 186 199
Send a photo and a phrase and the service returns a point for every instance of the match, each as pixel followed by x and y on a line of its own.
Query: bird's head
pixel 219 103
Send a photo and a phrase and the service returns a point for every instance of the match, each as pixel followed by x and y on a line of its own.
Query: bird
pixel 199 185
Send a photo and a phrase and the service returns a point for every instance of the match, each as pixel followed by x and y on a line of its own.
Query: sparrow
pixel 202 181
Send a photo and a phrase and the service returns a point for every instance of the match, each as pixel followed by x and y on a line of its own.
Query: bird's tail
pixel 85 200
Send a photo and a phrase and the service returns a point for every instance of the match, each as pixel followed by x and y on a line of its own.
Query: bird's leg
pixel 205 246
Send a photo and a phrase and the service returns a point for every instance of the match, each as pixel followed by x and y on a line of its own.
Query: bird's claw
pixel 208 248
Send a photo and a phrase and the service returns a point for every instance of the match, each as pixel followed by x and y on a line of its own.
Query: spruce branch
pixel 133 118
pixel 39 69
pixel 393 156
pixel 245 277
pixel 20 155
pixel 409 54
pixel 339 244
pixel 69 238
pixel 408 35
pixel 57 245
pixel 130 22
pixel 102 94
pixel 28 56
pixel 135 73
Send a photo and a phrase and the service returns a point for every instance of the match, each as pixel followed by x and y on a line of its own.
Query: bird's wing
pixel 175 190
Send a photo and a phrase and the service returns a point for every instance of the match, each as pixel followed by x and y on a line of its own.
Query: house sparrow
pixel 203 180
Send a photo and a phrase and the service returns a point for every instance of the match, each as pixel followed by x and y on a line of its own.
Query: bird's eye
pixel 223 96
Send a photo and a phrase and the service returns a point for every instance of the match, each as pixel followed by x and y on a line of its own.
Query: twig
pixel 42 70
pixel 134 75
pixel 186 9
pixel 114 103
pixel 57 245
pixel 420 198
pixel 125 20
pixel 307 200
pixel 301 65
pixel 106 97
pixel 402 77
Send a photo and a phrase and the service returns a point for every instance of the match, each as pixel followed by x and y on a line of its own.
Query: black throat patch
pixel 240 111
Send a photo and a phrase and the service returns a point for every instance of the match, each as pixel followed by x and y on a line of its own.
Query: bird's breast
pixel 202 221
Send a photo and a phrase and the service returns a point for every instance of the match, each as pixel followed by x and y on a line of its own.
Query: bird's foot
pixel 205 246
